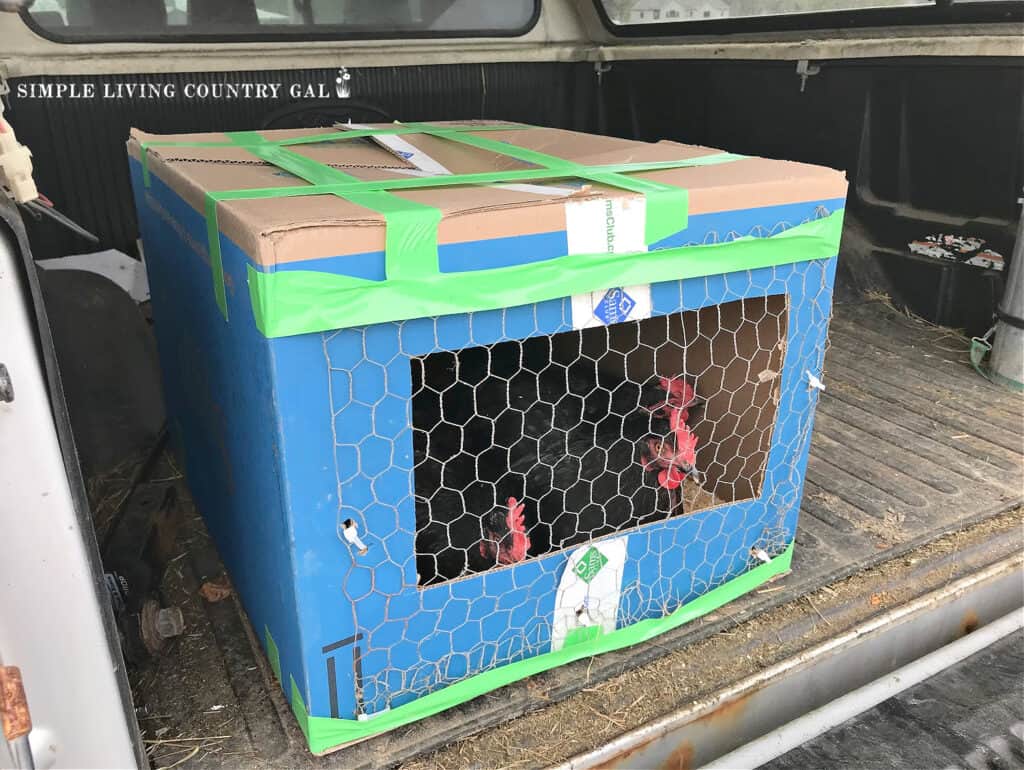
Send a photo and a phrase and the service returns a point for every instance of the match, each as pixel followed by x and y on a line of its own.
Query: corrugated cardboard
pixel 276 231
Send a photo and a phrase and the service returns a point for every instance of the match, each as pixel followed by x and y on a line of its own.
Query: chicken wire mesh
pixel 527 446
pixel 512 436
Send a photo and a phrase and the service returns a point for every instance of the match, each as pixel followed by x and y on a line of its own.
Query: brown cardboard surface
pixel 274 231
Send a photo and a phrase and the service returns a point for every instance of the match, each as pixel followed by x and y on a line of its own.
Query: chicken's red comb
pixel 516 520
pixel 677 417
pixel 679 391
pixel 686 440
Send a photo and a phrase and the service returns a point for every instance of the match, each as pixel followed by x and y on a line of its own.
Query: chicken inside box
pixel 463 402
pixel 597 431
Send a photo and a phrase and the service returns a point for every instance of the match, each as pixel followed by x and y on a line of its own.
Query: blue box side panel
pixel 219 387
pixel 411 641
pixel 812 319
pixel 323 562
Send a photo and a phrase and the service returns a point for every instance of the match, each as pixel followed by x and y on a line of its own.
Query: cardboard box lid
pixel 279 230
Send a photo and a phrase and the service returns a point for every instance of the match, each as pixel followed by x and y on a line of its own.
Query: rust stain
pixel 14 714
pixel 728 711
pixel 625 759
pixel 969 623
pixel 681 757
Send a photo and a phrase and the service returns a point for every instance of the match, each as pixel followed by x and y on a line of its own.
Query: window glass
pixel 76 20
pixel 627 12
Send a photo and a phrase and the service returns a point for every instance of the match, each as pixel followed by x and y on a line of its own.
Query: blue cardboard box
pixel 374 364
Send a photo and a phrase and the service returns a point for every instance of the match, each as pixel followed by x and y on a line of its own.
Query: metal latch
pixel 805 70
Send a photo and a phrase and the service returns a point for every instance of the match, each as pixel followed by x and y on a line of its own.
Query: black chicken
pixel 503 427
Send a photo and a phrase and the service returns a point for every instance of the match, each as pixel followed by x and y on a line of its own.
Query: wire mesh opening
pixel 525 447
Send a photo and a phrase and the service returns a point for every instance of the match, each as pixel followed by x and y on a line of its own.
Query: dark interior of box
pixel 569 425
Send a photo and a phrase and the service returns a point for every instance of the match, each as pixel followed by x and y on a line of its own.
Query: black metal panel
pixel 945 135
pixel 78 144
pixel 929 145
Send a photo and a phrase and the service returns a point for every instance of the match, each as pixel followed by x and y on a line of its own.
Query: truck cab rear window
pixel 671 17
pixel 628 12
pixel 228 20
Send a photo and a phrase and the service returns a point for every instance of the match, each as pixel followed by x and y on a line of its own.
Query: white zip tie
pixel 814 382
pixel 351 534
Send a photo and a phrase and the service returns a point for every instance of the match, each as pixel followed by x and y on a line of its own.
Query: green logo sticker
pixel 590 564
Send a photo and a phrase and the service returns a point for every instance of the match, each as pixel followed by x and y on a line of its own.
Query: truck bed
pixel 971 714
pixel 912 450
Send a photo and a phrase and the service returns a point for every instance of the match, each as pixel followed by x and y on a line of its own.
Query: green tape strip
pixel 216 260
pixel 272 653
pixel 479 178
pixel 333 136
pixel 410 249
pixel 301 301
pixel 666 204
pixel 323 733
pixel 410 227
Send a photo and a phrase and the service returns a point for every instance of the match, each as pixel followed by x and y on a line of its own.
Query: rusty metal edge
pixel 14 712
pixel 711 727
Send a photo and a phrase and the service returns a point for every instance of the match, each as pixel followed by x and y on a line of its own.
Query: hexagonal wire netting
pixel 529 445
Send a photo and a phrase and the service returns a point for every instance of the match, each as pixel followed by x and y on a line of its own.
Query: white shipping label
pixel 414 155
pixel 535 189
pixel 606 225
pixel 588 593
pixel 397 145
pixel 611 306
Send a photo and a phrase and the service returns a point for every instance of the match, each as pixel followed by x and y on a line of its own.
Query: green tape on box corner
pixel 272 653
pixel 325 733
pixel 298 706
pixel 302 301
